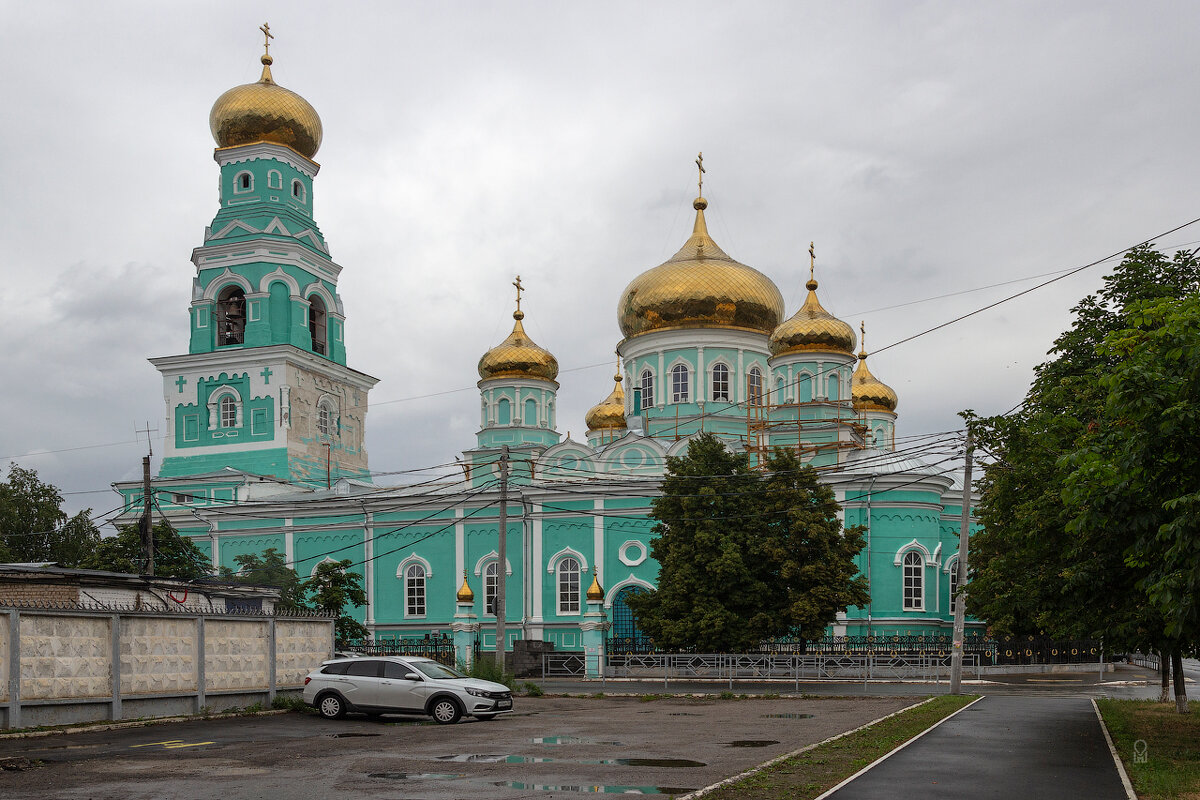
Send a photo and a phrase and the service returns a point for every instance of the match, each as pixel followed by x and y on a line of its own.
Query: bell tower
pixel 264 387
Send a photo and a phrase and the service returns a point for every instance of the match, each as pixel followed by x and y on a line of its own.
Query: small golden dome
pixel 595 591
pixel 609 414
pixel 465 595
pixel 812 328
pixel 700 287
pixel 265 112
pixel 867 392
pixel 518 357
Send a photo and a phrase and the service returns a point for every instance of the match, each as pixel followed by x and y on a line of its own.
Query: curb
pixel 713 787
pixel 1129 793
pixel 138 723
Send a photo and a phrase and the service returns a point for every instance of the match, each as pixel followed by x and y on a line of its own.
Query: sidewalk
pixel 1016 748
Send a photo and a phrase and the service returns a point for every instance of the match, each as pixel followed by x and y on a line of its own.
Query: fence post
pixel 201 700
pixel 114 629
pixel 271 645
pixel 14 668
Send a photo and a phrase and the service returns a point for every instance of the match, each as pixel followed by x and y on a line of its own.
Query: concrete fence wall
pixel 60 666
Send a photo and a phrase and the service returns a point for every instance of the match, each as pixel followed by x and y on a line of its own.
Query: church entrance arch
pixel 626 636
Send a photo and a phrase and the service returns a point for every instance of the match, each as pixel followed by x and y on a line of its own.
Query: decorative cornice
pixel 257 151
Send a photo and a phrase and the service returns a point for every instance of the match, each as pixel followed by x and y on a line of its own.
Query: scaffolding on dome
pixel 762 423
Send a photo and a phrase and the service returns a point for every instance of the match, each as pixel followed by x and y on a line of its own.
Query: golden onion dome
pixel 518 357
pixel 867 392
pixel 595 592
pixel 812 328
pixel 465 595
pixel 265 112
pixel 609 414
pixel 700 287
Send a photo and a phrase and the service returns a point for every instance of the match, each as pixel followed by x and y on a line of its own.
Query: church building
pixel 266 426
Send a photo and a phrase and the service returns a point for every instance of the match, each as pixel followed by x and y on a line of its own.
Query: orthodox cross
pixel 618 352
pixel 700 166
pixel 862 326
pixel 812 260
pixel 268 36
pixel 180 382
pixel 517 283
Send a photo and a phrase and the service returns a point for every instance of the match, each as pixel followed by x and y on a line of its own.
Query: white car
pixel 403 685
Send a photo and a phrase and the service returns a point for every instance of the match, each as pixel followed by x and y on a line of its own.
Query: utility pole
pixel 964 533
pixel 147 528
pixel 501 574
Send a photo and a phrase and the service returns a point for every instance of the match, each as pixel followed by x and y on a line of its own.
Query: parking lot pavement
pixel 551 747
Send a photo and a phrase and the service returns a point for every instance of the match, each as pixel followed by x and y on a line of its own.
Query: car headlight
pixel 478 692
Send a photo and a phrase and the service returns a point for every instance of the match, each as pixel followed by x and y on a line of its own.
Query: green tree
pixel 739 553
pixel 333 587
pixel 268 569
pixel 33 526
pixel 175 556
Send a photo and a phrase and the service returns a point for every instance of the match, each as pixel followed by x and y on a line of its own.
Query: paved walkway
pixel 1016 748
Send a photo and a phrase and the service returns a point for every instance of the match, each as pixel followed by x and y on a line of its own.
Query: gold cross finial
pixel 812 260
pixel 700 166
pixel 517 283
pixel 267 36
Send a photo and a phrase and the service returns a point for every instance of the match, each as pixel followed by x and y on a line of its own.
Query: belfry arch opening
pixel 231 316
pixel 317 324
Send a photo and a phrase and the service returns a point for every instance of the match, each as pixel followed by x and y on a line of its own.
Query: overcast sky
pixel 929 149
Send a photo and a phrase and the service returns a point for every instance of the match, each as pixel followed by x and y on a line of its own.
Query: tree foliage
pixel 1049 559
pixel 269 568
pixel 745 556
pixel 33 526
pixel 333 587
pixel 175 556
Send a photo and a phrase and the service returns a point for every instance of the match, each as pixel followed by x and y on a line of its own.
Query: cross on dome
pixel 267 36
pixel 700 166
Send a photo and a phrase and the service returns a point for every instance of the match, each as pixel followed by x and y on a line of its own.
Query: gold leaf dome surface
pixel 812 328
pixel 867 392
pixel 609 414
pixel 265 112
pixel 518 357
pixel 464 594
pixel 700 287
pixel 595 592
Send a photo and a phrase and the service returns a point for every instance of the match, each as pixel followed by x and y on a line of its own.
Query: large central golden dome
pixel 265 112
pixel 700 287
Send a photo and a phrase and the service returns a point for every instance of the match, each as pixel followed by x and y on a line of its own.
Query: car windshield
pixel 435 670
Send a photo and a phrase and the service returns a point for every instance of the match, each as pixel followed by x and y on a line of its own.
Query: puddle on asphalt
pixel 504 758
pixel 352 735
pixel 415 776
pixel 752 743
pixel 787 716
pixel 560 740
pixel 667 790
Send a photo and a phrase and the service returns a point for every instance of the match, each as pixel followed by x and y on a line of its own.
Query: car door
pixel 403 687
pixel 362 684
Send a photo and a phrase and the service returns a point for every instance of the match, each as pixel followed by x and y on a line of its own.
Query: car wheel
pixel 445 711
pixel 331 707
pixel 484 717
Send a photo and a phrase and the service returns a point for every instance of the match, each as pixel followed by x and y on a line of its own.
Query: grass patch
pixel 809 774
pixel 1172 752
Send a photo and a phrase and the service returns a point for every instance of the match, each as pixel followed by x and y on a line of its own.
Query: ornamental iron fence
pixel 439 648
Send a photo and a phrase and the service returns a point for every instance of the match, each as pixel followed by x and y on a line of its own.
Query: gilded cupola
pixel 700 287
pixel 609 414
pixel 517 356
pixel 595 592
pixel 265 112
pixel 812 328
pixel 464 594
pixel 867 392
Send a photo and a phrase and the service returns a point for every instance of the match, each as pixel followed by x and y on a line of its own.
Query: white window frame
pixel 647 383
pixel 415 590
pixel 913 581
pixel 274 179
pixel 491 584
pixel 567 586
pixel 678 396
pixel 237 182
pixel 214 408
pixel 754 381
pixel 327 422
pixel 303 195
pixel 721 394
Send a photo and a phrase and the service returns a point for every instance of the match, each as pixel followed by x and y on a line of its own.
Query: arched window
pixel 720 382
pixel 324 421
pixel 504 412
pixel 679 384
pixel 274 179
pixel 243 182
pixel 833 391
pixel 647 389
pixel 414 591
pixel 228 412
pixel 953 569
pixel 531 415
pixel 231 316
pixel 754 386
pixel 568 586
pixel 804 392
pixel 298 190
pixel 317 323
pixel 490 587
pixel 914 581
